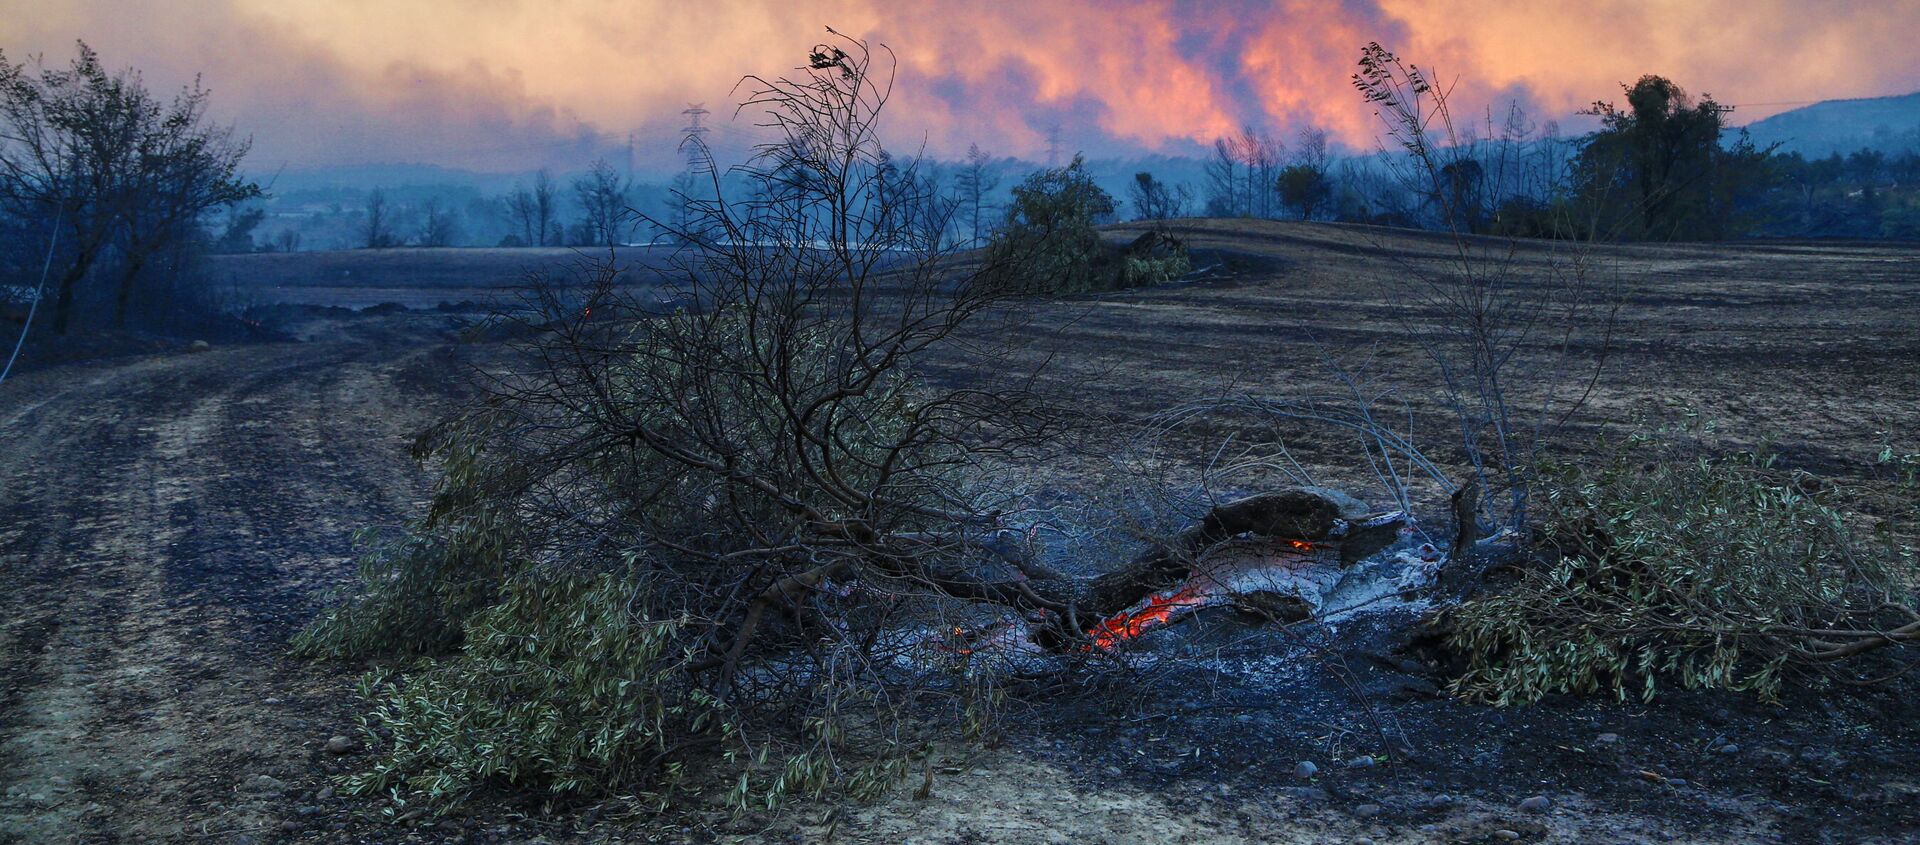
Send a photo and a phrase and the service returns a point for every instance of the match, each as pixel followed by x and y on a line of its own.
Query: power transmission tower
pixel 1053 145
pixel 630 146
pixel 693 142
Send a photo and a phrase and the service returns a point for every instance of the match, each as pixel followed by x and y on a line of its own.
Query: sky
pixel 508 85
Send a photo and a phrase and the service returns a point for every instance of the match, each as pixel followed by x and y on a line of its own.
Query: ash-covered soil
pixel 168 519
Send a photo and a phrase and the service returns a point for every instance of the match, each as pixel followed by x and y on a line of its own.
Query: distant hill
pixel 1888 124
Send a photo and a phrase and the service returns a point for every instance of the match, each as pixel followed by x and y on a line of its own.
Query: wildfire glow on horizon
pixel 505 84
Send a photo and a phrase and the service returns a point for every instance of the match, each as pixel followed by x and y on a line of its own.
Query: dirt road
pixel 164 524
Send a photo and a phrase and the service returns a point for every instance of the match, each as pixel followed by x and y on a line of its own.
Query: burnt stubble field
pixel 171 519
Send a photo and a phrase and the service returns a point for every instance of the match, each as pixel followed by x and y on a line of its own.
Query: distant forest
pixel 1661 166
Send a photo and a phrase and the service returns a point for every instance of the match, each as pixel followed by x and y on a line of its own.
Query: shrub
pixel 418 591
pixel 1708 573
pixel 1137 271
pixel 564 685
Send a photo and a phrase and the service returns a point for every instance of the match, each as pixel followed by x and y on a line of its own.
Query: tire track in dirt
pixel 166 524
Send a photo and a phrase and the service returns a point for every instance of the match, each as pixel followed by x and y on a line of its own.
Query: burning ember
pixel 1360 560
pixel 1293 568
pixel 1159 609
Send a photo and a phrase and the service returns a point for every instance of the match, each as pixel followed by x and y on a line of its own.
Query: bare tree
pixel 973 183
pixel 1241 175
pixel 1262 156
pixel 603 196
pixel 1491 306
pixel 1156 200
pixel 376 223
pixel 522 213
pixel 439 226
pixel 544 209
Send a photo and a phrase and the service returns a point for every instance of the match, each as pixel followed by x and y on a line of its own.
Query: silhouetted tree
pixel 1241 175
pixel 972 184
pixel 237 237
pixel 545 209
pixel 376 224
pixel 438 225
pixel 603 196
pixel 1656 168
pixel 1303 185
pixel 1156 200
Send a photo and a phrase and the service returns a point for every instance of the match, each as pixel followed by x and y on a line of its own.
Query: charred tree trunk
pixel 63 301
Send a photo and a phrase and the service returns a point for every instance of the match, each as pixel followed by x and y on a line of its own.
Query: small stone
pixel 1361 763
pixel 1363 841
pixel 199 346
pixel 1244 717
pixel 1114 771
pixel 1305 769
pixel 1676 781
pixel 1440 801
pixel 1721 716
pixel 1506 835
pixel 1730 748
pixel 1367 811
pixel 338 745
pixel 265 783
pixel 1536 804
pixel 1607 739
pixel 325 793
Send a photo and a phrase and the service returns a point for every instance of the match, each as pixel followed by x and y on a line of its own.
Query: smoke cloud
pixel 507 85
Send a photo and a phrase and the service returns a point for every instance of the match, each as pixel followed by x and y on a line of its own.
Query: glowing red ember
pixel 1199 590
pixel 1160 608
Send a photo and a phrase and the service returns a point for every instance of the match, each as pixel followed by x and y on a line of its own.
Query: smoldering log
pixel 1306 514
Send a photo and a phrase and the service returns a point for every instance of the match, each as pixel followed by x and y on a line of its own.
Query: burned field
pixel 166 547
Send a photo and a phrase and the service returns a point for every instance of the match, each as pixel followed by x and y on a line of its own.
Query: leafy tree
pixel 112 165
pixel 1656 168
pixel 1052 218
pixel 1303 185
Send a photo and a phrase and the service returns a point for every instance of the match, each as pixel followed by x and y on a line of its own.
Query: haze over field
pixel 504 85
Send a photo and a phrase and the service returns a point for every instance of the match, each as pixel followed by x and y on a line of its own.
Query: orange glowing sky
pixel 507 84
